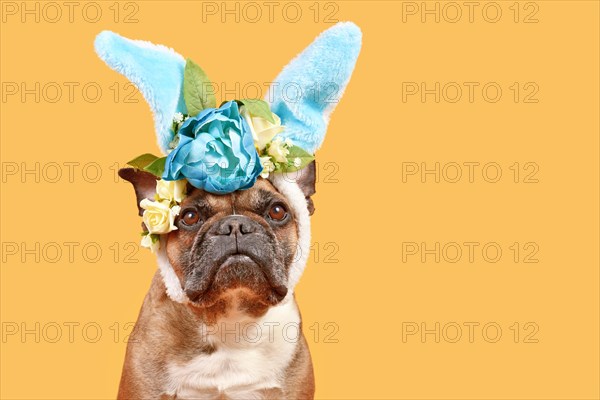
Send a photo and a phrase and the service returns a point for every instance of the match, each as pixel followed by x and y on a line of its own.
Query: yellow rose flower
pixel 158 216
pixel 171 190
pixel 262 130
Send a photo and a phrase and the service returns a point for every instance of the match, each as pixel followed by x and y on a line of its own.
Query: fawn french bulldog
pixel 227 212
pixel 233 256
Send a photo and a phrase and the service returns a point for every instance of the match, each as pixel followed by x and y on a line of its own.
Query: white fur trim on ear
pixel 170 279
pixel 288 187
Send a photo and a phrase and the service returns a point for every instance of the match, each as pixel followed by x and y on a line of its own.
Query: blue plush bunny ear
pixel 307 90
pixel 156 70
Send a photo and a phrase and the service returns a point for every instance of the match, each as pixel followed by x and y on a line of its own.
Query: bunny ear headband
pixel 224 148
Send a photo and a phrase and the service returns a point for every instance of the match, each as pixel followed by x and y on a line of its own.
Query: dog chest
pixel 249 359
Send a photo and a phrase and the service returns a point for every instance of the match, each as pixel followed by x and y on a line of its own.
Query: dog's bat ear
pixel 306 180
pixel 144 184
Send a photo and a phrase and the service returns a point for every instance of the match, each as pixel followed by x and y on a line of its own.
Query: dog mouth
pixel 238 270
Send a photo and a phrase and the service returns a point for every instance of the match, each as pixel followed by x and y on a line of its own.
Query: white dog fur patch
pixel 250 356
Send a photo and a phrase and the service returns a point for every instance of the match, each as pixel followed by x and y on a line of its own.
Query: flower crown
pixel 219 150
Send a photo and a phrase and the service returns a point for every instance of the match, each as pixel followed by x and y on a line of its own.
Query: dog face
pixel 234 249
pixel 244 240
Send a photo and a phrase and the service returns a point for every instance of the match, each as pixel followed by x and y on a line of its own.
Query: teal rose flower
pixel 215 152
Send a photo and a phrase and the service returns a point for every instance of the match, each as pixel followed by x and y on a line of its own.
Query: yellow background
pixel 367 214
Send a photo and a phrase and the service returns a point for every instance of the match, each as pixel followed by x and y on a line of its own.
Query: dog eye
pixel 190 217
pixel 277 212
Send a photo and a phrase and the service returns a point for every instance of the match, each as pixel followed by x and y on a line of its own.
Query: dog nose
pixel 236 224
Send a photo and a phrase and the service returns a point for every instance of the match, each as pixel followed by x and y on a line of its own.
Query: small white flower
pixel 267 165
pixel 288 142
pixel 178 118
pixel 151 242
pixel 278 150
pixel 297 162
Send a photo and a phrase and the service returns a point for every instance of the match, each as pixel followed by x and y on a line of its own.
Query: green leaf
pixel 303 155
pixel 142 161
pixel 259 108
pixel 197 90
pixel 157 167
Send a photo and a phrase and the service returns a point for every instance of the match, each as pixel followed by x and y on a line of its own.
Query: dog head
pixel 245 246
